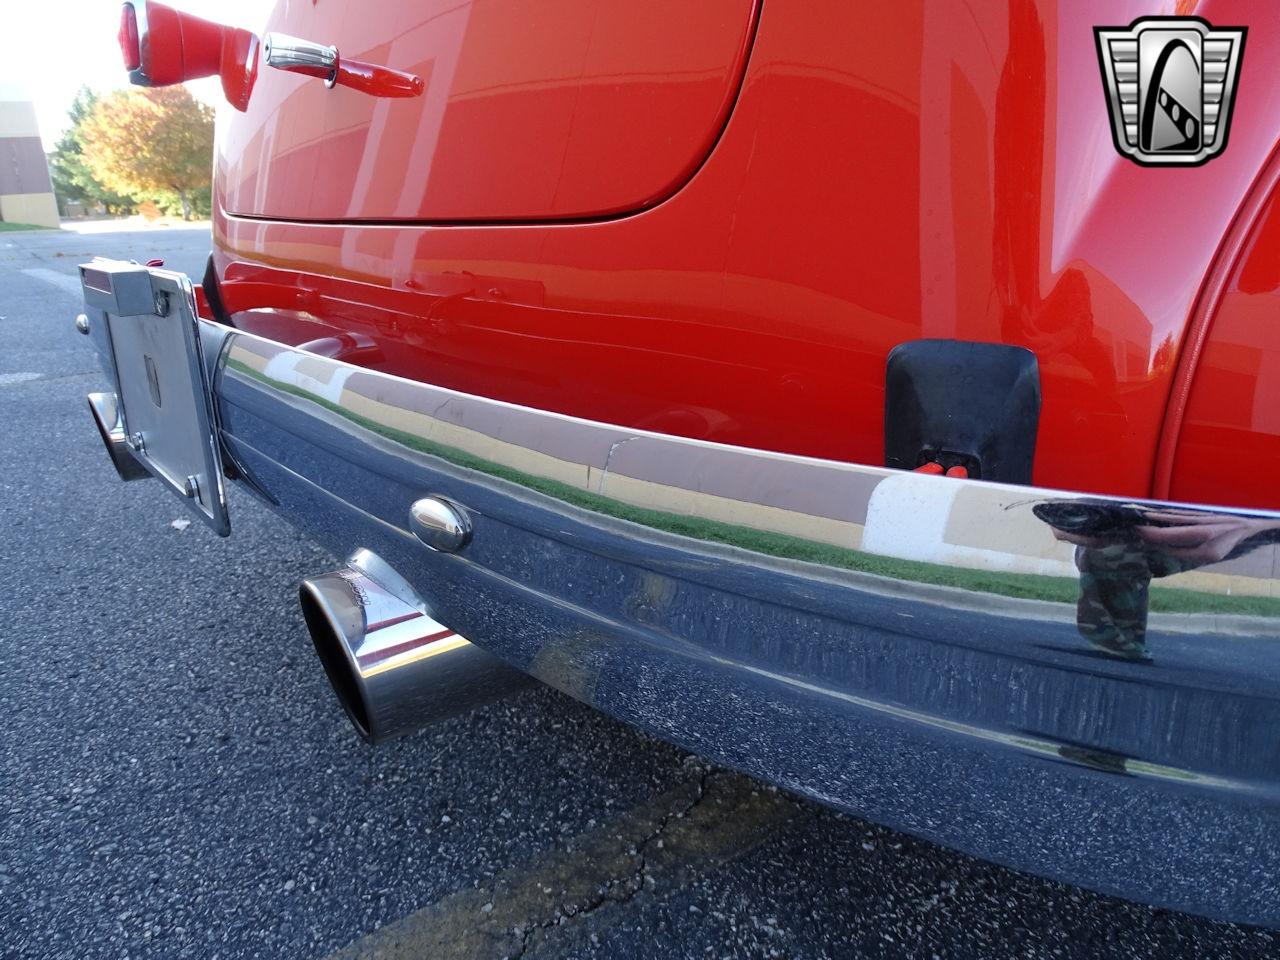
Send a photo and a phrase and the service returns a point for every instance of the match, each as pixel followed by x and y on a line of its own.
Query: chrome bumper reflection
pixel 1081 687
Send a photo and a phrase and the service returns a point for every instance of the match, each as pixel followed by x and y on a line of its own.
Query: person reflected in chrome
pixel 1121 547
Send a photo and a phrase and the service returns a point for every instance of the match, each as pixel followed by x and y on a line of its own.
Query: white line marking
pixel 8 379
pixel 63 281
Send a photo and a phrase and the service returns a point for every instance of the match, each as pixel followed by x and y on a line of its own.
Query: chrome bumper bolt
pixel 137 443
pixel 192 487
pixel 82 324
pixel 439 524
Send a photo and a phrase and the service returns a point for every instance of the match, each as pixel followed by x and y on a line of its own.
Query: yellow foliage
pixel 149 140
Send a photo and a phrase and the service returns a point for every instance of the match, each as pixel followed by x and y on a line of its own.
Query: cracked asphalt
pixel 178 782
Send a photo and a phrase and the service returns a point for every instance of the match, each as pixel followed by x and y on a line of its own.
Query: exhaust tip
pixel 335 657
pixel 106 417
pixel 393 667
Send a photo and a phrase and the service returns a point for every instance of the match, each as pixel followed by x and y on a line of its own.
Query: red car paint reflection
pixel 886 172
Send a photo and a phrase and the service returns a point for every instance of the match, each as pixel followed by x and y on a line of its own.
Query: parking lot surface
pixel 177 780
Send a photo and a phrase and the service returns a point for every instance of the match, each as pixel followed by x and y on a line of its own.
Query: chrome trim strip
pixel 926 652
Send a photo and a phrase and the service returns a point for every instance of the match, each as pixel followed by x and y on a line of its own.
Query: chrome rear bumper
pixel 921 651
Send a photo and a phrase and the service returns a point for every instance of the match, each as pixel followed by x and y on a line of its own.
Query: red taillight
pixel 128 37
pixel 181 47
pixel 98 280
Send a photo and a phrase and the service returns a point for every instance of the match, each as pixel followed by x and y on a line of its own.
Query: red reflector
pixel 96 279
pixel 128 37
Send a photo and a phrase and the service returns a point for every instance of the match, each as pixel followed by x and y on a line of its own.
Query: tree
pixel 150 141
pixel 71 176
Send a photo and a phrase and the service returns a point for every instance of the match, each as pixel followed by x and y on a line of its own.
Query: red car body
pixel 719 227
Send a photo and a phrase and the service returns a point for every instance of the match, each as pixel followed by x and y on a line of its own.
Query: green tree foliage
pixel 72 179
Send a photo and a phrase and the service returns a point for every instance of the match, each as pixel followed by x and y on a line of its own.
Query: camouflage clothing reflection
pixel 1115 581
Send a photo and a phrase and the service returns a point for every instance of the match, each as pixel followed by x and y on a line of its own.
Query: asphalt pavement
pixel 178 781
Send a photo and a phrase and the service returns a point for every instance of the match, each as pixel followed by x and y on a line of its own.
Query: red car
pixel 722 364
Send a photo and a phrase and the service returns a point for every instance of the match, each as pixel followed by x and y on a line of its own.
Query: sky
pixel 50 48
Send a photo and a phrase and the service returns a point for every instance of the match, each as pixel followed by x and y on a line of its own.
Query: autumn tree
pixel 71 176
pixel 149 141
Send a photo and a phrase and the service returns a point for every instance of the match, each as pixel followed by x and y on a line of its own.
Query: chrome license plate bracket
pixel 162 387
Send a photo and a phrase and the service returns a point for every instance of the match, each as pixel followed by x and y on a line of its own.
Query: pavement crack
pixel 618 890
pixel 544 908
pixel 636 882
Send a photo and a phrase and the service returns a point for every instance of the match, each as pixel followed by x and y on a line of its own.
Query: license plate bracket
pixel 156 359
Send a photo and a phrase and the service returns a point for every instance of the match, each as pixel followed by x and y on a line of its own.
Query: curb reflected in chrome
pixel 106 415
pixel 393 667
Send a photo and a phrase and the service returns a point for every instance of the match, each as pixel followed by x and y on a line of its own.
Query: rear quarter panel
pixel 889 172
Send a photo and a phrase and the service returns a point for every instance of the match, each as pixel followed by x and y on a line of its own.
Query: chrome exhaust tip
pixel 106 416
pixel 393 666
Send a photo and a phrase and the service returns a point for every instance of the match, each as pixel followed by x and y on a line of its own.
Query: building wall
pixel 26 195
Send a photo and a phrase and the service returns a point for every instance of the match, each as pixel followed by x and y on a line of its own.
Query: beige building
pixel 26 195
